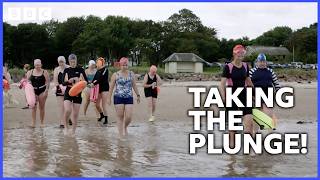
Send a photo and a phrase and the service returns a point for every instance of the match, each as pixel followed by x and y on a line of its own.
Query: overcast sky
pixel 231 20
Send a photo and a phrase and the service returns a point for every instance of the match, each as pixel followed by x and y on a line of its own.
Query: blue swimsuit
pixel 123 93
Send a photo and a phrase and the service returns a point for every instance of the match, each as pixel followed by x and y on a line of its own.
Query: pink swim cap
pixel 239 49
pixel 123 61
pixel 153 69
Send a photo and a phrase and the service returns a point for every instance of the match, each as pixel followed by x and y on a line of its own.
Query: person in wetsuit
pixel 264 78
pixel 102 78
pixel 236 77
pixel 72 75
pixel 58 80
pixel 39 79
pixel 151 83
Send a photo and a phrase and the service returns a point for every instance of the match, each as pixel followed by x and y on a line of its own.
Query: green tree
pixel 30 41
pixel 116 37
pixel 304 41
pixel 8 45
pixel 275 37
pixel 87 42
pixel 67 33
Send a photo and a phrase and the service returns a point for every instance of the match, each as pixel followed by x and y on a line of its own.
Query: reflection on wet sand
pixel 152 149
pixel 68 160
pixel 123 160
pixel 38 152
pixel 249 166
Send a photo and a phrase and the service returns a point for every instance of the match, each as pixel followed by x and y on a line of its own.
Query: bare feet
pixel 65 131
pixel 32 126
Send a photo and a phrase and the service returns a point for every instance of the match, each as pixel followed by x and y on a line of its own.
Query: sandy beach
pixel 153 149
pixel 173 103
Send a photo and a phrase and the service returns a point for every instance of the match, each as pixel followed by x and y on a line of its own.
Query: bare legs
pixel 152 107
pixel 61 108
pixel 41 103
pixel 124 114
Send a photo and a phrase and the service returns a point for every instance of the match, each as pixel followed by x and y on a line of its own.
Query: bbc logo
pixel 29 14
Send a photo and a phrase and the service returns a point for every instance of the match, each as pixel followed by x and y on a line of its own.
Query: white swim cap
pixel 92 62
pixel 61 59
pixel 37 62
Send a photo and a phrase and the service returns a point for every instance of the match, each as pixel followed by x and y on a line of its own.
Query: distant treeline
pixel 147 42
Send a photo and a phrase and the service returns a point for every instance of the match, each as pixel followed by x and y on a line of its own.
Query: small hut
pixel 278 52
pixel 184 63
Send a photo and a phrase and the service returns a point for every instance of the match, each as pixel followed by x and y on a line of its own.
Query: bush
pixel 16 74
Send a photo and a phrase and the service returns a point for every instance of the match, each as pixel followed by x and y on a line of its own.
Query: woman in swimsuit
pixel 40 81
pixel 59 88
pixel 72 104
pixel 90 72
pixel 151 83
pixel 124 82
pixel 235 75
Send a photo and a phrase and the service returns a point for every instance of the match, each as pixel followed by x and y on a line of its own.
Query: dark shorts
pixel 59 92
pixel 39 91
pixel 73 99
pixel 149 92
pixel 120 100
pixel 103 88
pixel 245 110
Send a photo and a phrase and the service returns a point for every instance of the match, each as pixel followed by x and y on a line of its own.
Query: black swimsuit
pixel 60 81
pixel 102 79
pixel 73 72
pixel 238 76
pixel 38 83
pixel 149 92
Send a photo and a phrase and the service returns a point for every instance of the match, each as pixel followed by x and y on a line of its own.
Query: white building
pixel 184 63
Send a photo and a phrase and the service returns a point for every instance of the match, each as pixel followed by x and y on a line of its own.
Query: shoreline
pixel 152 149
pixel 172 104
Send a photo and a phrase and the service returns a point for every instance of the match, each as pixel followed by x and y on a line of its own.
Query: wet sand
pixel 153 149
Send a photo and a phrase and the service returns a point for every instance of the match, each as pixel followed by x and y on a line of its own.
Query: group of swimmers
pixel 123 83
pixel 121 86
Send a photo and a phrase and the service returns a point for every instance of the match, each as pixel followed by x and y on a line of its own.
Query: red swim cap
pixel 238 49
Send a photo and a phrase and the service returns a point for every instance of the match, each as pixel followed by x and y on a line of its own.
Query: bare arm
pixel 66 79
pixel 55 77
pixel 46 75
pixel 159 80
pixel 8 76
pixel 112 84
pixel 222 88
pixel 145 81
pixel 28 74
pixel 249 82
pixel 134 85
